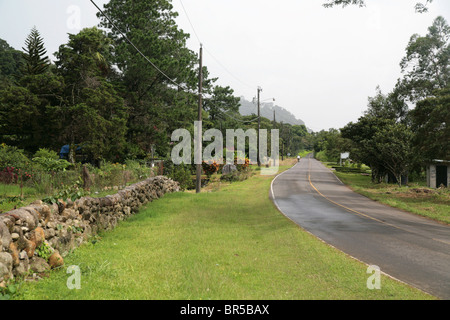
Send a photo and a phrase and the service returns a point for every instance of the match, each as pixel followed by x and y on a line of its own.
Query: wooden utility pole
pixel 274 119
pixel 282 141
pixel 259 126
pixel 199 137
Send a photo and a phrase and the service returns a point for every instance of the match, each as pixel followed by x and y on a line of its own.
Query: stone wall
pixel 64 226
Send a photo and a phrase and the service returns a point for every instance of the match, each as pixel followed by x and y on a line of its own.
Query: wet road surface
pixel 407 247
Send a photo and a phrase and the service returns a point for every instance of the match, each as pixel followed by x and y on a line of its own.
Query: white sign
pixel 345 155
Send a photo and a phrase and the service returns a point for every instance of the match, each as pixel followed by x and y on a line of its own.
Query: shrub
pixel 210 168
pixel 13 157
pixel 72 192
pixel 180 173
pixel 46 153
pixel 52 165
pixel 14 175
pixel 236 176
pixel 243 166
pixel 139 169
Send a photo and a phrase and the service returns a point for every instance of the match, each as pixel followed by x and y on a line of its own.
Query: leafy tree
pixel 28 112
pixel 18 108
pixel 299 132
pixel 383 144
pixel 393 145
pixel 27 109
pixel 10 60
pixel 430 122
pixel 331 143
pixel 222 100
pixel 84 60
pixel 150 94
pixel 420 6
pixel 95 114
pixel 35 60
pixel 11 156
pixel 389 106
pixel 426 64
pixel 363 148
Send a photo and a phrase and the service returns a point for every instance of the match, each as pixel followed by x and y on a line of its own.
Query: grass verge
pixel 231 243
pixel 427 202
pixel 11 196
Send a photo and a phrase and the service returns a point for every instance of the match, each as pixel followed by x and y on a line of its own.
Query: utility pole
pixel 282 141
pixel 274 120
pixel 259 125
pixel 199 137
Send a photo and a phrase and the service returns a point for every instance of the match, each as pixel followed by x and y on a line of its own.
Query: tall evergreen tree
pixel 94 115
pixel 150 94
pixel 34 56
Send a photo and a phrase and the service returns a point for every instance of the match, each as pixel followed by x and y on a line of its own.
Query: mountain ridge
pixel 248 108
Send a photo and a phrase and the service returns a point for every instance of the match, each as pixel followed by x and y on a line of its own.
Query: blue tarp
pixel 65 150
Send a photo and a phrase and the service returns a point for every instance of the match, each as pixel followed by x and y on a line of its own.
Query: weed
pixel 44 251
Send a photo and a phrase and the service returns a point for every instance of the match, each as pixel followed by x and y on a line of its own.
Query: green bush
pixel 46 153
pixel 72 192
pixel 236 176
pixel 321 156
pixel 180 173
pixel 13 157
pixel 139 169
pixel 52 165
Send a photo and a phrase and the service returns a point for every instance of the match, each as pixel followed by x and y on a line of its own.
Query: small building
pixel 438 173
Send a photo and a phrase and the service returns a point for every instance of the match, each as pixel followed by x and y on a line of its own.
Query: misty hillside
pixel 267 108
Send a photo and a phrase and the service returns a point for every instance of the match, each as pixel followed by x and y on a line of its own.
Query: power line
pixel 139 51
pixel 206 49
pixel 229 72
pixel 239 120
pixel 164 74
pixel 218 62
pixel 192 26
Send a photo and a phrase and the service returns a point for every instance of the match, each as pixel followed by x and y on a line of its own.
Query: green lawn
pixel 10 196
pixel 228 244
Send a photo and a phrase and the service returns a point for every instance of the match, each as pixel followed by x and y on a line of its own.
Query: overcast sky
pixel 320 64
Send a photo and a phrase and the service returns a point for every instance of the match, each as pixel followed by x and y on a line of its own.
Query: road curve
pixel 407 247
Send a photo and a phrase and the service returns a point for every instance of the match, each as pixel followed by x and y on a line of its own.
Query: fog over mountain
pixel 267 111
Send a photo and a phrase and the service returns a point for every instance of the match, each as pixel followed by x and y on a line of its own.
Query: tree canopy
pixel 420 6
pixel 119 90
pixel 406 128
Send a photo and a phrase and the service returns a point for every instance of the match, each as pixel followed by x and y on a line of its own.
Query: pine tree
pixel 35 60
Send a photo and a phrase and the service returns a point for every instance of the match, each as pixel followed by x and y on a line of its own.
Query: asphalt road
pixel 407 247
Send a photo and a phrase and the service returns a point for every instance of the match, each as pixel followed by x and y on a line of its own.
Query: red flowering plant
pixel 210 168
pixel 13 164
pixel 241 166
pixel 14 175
